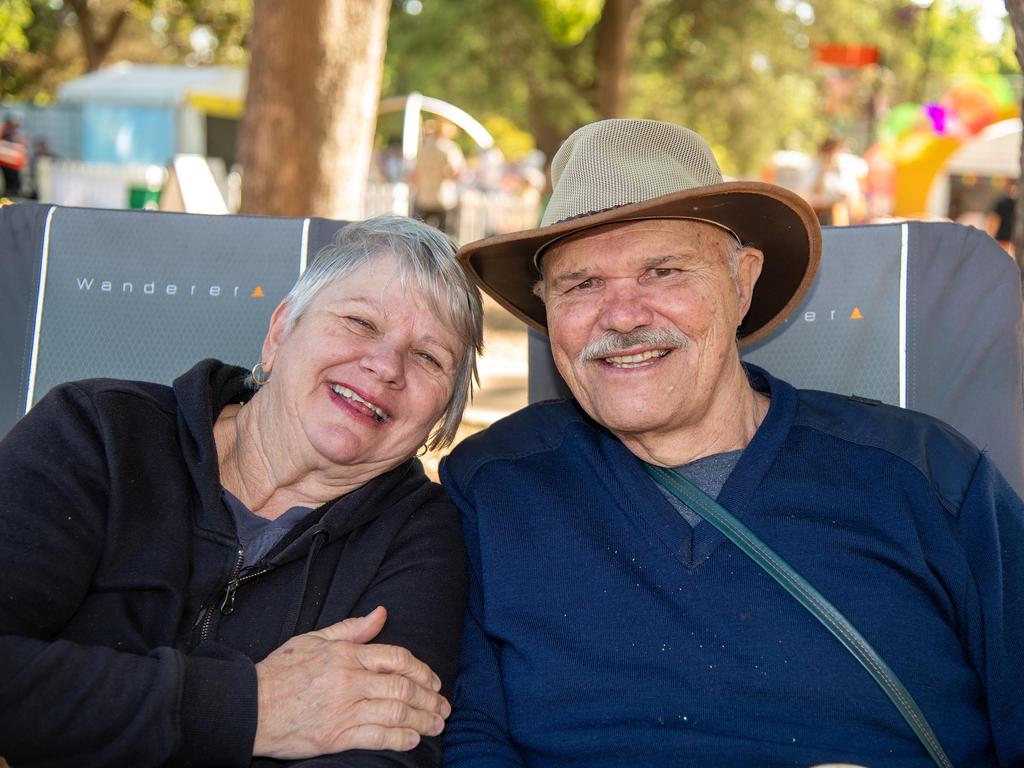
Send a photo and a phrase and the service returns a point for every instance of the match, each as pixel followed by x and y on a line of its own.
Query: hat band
pixel 539 253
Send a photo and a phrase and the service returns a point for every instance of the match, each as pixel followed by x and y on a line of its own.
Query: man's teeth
pixel 350 395
pixel 635 361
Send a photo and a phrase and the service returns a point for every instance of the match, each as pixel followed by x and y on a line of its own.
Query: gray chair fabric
pixel 137 294
pixel 924 315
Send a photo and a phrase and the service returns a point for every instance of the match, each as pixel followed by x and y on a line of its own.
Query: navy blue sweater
pixel 604 631
pixel 116 549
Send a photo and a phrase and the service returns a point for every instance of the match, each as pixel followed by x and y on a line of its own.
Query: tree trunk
pixel 616 33
pixel 1015 8
pixel 547 136
pixel 96 44
pixel 616 36
pixel 311 108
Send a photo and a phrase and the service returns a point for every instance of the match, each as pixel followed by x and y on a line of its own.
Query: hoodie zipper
pixel 238 578
pixel 227 602
pixel 227 605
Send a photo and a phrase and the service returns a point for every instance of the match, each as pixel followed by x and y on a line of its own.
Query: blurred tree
pixel 97 34
pixel 30 55
pixel 613 53
pixel 314 83
pixel 62 39
pixel 1015 8
pixel 172 26
pixel 742 72
pixel 738 74
pixel 923 47
pixel 547 65
pixel 15 17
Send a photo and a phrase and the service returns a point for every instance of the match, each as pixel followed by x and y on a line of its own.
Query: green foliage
pixel 569 21
pixel 25 63
pixel 924 49
pixel 224 26
pixel 15 18
pixel 742 73
pixel 735 73
pixel 494 58
pixel 43 45
pixel 514 142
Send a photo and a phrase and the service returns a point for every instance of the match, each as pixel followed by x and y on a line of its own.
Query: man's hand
pixel 329 691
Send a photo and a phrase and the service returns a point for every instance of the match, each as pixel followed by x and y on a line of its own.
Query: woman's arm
pixel 65 703
pixel 422 584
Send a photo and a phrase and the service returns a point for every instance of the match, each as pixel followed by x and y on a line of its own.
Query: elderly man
pixel 610 622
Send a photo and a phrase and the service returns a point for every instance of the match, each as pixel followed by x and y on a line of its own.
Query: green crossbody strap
pixel 808 597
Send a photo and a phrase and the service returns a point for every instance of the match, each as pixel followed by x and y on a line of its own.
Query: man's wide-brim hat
pixel 627 170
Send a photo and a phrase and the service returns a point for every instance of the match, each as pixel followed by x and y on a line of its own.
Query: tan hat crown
pixel 612 163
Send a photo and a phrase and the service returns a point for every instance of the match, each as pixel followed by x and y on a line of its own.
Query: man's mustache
pixel 613 342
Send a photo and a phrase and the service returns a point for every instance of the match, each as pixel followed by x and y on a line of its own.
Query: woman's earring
pixel 260 375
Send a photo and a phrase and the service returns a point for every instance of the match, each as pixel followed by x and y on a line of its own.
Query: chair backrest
pixel 924 315
pixel 137 294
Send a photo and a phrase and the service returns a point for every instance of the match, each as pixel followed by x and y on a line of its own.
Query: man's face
pixel 642 318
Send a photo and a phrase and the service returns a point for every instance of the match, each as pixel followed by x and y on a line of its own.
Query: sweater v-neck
pixel 651 511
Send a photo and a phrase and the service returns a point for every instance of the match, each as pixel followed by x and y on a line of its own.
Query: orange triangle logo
pixel 856 314
pixel 257 292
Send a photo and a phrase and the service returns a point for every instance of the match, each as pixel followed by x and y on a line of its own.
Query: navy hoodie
pixel 117 645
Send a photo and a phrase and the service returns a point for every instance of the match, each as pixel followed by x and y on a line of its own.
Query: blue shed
pixel 145 113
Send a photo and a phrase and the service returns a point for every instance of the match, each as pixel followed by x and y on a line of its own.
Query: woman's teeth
pixel 348 394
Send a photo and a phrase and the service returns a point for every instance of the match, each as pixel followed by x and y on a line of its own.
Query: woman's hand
pixel 328 691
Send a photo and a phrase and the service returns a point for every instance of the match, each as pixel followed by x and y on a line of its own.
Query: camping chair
pixel 921 315
pixel 137 294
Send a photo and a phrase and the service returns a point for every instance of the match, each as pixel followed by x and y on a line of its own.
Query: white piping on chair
pixel 304 251
pixel 904 251
pixel 43 267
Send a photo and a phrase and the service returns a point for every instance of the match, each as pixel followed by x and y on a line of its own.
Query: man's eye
pixel 586 285
pixel 663 272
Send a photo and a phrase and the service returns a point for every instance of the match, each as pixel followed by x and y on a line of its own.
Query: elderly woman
pixel 194 574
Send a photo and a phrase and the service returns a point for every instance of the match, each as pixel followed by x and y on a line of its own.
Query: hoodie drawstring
pixel 291 623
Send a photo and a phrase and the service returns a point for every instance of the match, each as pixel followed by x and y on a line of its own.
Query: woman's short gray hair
pixel 426 257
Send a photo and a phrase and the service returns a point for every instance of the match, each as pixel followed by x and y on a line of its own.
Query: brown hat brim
pixel 771 218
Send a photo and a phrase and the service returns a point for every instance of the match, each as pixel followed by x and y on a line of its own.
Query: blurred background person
pixel 1002 217
pixel 435 178
pixel 388 165
pixel 827 192
pixel 12 160
pixel 41 152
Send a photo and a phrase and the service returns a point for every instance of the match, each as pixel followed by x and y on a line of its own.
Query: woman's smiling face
pixel 363 374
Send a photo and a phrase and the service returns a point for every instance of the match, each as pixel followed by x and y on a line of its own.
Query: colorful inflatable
pixel 917 139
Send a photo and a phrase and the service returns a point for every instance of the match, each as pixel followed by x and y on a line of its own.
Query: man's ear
pixel 278 321
pixel 749 261
pixel 538 289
